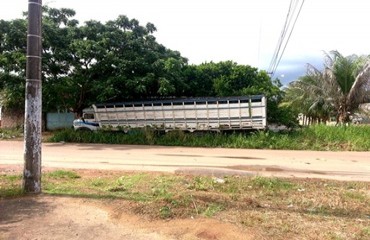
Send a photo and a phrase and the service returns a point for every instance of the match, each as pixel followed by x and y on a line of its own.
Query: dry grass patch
pixel 273 208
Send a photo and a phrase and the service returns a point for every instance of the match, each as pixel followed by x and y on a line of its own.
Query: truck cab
pixel 87 121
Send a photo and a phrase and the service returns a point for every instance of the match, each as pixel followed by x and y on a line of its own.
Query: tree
pixel 231 79
pixel 83 64
pixel 337 90
pixel 115 61
pixel 13 45
pixel 136 66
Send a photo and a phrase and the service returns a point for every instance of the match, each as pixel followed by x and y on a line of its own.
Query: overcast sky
pixel 244 31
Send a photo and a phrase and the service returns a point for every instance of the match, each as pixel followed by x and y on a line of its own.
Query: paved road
pixel 211 161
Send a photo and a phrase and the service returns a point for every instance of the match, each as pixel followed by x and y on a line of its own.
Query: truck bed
pixel 194 114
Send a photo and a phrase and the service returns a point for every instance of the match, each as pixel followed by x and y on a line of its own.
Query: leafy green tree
pixel 230 79
pixel 115 61
pixel 136 66
pixel 12 89
pixel 336 90
pixel 200 79
pixel 13 45
pixel 92 62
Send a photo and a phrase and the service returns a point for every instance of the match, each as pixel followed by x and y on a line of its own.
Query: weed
pixel 129 181
pixel 150 135
pixel 318 137
pixel 212 209
pixel 161 193
pixel 165 212
pixel 11 133
pixel 365 233
pixel 117 189
pixel 11 178
pixel 201 184
pixel 62 189
pixel 58 174
pixel 10 186
pixel 98 182
pixel 272 207
pixel 274 184
pixel 12 191
pixel 355 196
pixel 336 236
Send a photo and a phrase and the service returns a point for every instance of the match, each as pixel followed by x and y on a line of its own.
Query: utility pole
pixel 33 105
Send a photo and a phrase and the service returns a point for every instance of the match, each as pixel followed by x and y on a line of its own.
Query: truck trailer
pixel 187 114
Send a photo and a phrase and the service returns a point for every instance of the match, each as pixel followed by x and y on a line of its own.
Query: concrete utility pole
pixel 33 105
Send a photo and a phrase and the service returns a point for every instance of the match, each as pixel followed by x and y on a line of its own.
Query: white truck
pixel 188 114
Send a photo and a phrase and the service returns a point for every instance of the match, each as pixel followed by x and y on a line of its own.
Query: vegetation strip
pixel 275 207
pixel 318 137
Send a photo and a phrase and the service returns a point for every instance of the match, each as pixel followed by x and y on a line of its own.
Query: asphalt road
pixel 210 161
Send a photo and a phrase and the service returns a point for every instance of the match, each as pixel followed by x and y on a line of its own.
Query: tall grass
pixel 10 133
pixel 319 137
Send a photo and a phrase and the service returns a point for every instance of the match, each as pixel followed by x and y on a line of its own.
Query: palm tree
pixel 309 96
pixel 338 89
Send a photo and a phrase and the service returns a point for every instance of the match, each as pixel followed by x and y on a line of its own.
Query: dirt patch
pixel 238 207
pixel 46 217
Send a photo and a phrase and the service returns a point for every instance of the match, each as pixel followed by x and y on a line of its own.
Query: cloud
pixel 293 68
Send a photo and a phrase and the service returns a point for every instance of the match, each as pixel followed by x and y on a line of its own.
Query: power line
pixel 290 34
pixel 281 38
pixel 288 26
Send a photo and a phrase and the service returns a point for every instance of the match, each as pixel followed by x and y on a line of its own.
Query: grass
pixel 10 133
pixel 10 186
pixel 275 208
pixel 58 174
pixel 318 137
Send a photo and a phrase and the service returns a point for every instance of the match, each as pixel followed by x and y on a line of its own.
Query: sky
pixel 243 31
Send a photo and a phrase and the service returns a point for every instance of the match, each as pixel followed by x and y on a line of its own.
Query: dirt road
pixel 211 161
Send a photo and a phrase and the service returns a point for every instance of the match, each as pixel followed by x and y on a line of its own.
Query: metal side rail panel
pixel 186 114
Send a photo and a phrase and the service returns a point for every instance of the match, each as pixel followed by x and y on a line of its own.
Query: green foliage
pixel 83 63
pixel 318 137
pixel 355 196
pixel 365 233
pixel 12 89
pixel 212 209
pixel 98 182
pixel 282 114
pixel 115 61
pixel 229 79
pixel 201 184
pixel 273 184
pixel 58 174
pixel 10 133
pixel 129 182
pixel 273 206
pixel 165 212
pixel 14 191
pixel 335 91
pixel 10 186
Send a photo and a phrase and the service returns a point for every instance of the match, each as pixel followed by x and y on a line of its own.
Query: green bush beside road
pixel 318 137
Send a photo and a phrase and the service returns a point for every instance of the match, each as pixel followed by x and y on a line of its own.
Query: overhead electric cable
pixel 292 8
pixel 281 38
pixel 279 51
pixel 290 34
